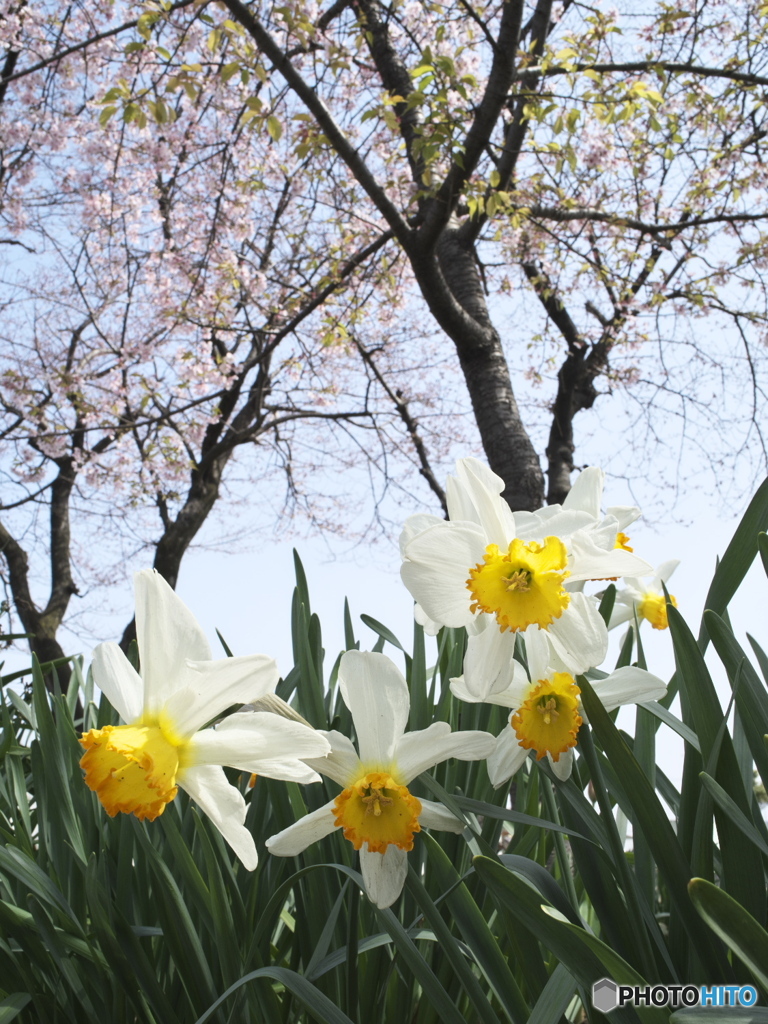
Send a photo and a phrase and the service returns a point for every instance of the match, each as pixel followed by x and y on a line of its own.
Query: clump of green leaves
pixel 112 919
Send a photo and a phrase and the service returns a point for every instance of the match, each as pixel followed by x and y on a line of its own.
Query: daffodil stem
pixel 560 848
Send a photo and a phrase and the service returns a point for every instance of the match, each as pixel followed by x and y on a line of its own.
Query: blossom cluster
pixel 514 581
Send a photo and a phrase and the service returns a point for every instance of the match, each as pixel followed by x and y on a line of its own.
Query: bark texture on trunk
pixel 445 263
pixel 575 391
pixel 180 532
pixel 43 623
pixel 505 440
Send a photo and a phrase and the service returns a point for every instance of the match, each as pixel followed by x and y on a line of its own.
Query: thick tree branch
pixel 396 79
pixel 670 67
pixel 18 573
pixel 583 364
pixel 563 216
pixel 62 584
pixel 538 27
pixel 336 137
pixel 500 78
pixel 453 290
pixel 41 627
pixel 575 384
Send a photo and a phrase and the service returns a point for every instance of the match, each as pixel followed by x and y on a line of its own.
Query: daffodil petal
pixel 461 691
pixel 224 805
pixel 437 570
pixel 579 639
pixel 376 694
pixel 664 571
pixel 512 697
pixel 307 830
pixel 624 515
pixel 563 767
pixel 475 495
pixel 342 763
pixel 430 627
pixel 414 525
pixel 434 815
pixel 489 665
pixel 118 681
pixel 604 533
pixel 167 634
pixel 460 507
pixel 540 653
pixel 507 757
pixel 418 751
pixel 283 768
pixel 246 738
pixel 551 521
pixel 628 685
pixel 621 613
pixel 383 874
pixel 213 686
pixel 633 590
pixel 590 562
pixel 586 492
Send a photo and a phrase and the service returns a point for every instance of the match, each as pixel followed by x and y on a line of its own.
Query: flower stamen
pixel 548 708
pixel 519 581
pixel 375 801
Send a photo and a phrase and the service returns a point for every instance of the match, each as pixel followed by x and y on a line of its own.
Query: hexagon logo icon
pixel 605 995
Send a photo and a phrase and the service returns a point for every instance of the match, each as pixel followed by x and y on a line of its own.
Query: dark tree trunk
pixel 180 532
pixel 505 440
pixel 43 624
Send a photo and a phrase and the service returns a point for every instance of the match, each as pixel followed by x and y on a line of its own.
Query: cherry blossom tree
pixel 269 236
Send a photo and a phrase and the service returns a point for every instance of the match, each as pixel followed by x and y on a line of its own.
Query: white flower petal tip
pixel 307 830
pixel 563 766
pixel 417 752
pixel 434 815
pixel 460 690
pixel 629 685
pixel 384 875
pixel 226 808
pixel 506 759
pixel 586 492
pixel 180 689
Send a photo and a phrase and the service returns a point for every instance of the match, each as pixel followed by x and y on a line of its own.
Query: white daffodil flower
pixel 647 600
pixel 546 711
pixel 136 768
pixel 376 811
pixel 493 571
pixel 604 532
